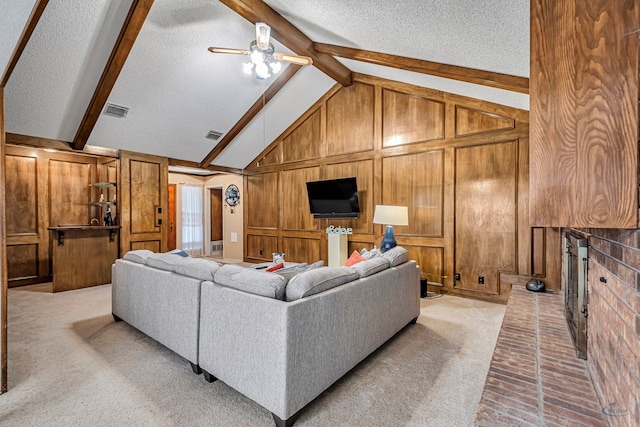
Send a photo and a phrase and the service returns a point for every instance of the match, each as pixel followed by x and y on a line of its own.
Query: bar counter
pixel 82 255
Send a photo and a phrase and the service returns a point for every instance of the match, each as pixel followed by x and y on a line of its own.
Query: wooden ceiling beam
pixel 58 145
pixel 287 34
pixel 469 75
pixel 127 37
pixel 253 111
pixel 32 22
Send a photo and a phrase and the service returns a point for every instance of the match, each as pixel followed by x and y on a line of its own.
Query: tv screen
pixel 333 198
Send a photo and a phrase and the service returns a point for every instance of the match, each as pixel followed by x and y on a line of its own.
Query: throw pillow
pixel 250 280
pixel 140 256
pixel 396 256
pixel 178 252
pixel 318 280
pixel 354 259
pixel 373 253
pixel 371 266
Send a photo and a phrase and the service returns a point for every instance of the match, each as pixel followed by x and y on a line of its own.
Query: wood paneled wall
pixel 44 189
pixel 459 164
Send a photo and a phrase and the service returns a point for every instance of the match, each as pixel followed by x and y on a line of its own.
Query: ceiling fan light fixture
pixel 247 67
pixel 275 66
pixel 262 71
pixel 263 34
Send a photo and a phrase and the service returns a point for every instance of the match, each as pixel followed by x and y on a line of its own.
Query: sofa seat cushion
pixel 198 268
pixel 251 280
pixel 396 256
pixel 140 256
pixel 318 280
pixel 371 266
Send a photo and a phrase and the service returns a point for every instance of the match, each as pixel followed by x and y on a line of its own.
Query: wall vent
pixel 215 135
pixel 116 110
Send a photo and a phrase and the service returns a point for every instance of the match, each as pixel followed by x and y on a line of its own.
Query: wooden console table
pixel 82 255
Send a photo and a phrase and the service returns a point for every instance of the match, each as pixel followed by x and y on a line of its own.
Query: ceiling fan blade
pixel 263 34
pixel 228 50
pixel 294 59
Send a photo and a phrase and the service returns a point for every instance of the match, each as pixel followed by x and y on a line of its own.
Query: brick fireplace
pixel 613 350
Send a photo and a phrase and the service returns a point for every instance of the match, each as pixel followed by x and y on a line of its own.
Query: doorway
pixel 215 222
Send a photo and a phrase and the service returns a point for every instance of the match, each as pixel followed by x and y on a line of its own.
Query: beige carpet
pixel 71 365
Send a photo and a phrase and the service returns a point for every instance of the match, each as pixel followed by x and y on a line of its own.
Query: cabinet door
pixel 143 202
pixel 584 113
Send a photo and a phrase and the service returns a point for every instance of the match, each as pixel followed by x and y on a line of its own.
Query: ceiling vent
pixel 215 135
pixel 116 110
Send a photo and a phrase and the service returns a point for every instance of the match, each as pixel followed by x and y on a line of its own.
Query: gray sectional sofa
pixel 277 339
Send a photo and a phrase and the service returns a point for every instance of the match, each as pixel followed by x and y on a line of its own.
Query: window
pixel 192 225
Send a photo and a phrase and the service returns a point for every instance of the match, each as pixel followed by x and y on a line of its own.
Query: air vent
pixel 215 135
pixel 116 110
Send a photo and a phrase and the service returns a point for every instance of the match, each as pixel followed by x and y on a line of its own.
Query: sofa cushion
pixel 318 280
pixel 162 261
pixel 396 256
pixel 198 268
pixel 371 266
pixel 290 272
pixel 251 280
pixel 373 253
pixel 140 256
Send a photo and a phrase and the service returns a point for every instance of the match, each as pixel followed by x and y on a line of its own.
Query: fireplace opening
pixel 576 263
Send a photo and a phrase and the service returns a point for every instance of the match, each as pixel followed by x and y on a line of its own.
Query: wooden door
pixel 143 193
pixel 172 217
pixel 216 213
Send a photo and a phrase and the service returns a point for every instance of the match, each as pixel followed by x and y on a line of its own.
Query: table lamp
pixel 390 215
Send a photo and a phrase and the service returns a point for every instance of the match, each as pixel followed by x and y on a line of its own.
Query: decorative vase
pixel 388 240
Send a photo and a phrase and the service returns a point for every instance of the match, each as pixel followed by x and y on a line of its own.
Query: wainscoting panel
pixel 416 181
pixel 408 118
pixel 295 200
pixel 22 201
pixel 350 120
pixel 70 193
pixel 23 262
pixel 302 143
pixel 261 247
pixel 262 190
pixel 485 220
pixel 299 249
pixel 469 122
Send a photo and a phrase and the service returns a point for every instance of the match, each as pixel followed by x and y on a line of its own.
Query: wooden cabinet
pixel 584 113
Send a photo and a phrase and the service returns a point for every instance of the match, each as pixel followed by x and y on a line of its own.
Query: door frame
pixel 207 214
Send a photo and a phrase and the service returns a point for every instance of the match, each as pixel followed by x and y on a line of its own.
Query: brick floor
pixel 535 378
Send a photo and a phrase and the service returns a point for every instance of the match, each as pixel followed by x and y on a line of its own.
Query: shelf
pixel 103 184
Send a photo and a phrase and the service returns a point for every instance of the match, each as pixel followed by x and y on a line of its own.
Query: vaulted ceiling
pixel 151 56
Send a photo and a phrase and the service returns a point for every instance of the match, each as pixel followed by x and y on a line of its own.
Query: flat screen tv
pixel 333 198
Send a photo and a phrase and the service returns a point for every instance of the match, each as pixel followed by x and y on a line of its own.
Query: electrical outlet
pixel 456 277
pixel 481 280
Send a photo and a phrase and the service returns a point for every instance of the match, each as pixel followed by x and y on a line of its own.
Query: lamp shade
pixel 391 215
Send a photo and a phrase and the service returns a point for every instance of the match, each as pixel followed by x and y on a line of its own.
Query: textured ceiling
pixel 12 21
pixel 177 91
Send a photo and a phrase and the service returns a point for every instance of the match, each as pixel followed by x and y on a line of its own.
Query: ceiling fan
pixel 262 59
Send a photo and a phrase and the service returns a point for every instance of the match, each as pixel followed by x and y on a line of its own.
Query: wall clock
pixel 232 195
